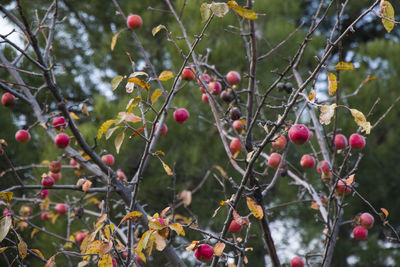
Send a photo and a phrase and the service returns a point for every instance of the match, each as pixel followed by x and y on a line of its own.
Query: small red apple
pixel 360 233
pixel 297 262
pixel 59 123
pixel 307 161
pixel 187 74
pixel 108 159
pixel 43 194
pixel 342 187
pixel 235 227
pixel 206 79
pixel 72 162
pixel 357 141
pixel 121 175
pixel 8 99
pixel 22 136
pixel 164 129
pixel 44 216
pixel 298 134
pixel 204 253
pixel 61 208
pixel 134 22
pixel 80 236
pixel 204 98
pixel 235 145
pixel 366 220
pixel 62 140
pixel 280 143
pixel 274 160
pixel 47 181
pixel 181 115
pixel 238 125
pixel 233 77
pixel 340 141
pixel 55 166
pixel 55 175
pixel 8 212
pixel 214 88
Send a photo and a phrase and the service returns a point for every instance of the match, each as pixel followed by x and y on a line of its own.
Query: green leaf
pixel 116 81
pixel 219 9
pixel 205 12
pixel 110 132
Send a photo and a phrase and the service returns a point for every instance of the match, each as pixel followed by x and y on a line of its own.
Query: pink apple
pixel 59 123
pixel 47 181
pixel 72 162
pixel 8 212
pixel 187 74
pixel 164 129
pixel 360 233
pixel 62 140
pixel 206 79
pixel 43 194
pixel 22 136
pixel 340 141
pixel 214 88
pixel 233 77
pixel 357 141
pixel 134 22
pixel 44 216
pixel 8 99
pixel 298 134
pixel 366 220
pixel 108 159
pixel 61 208
pixel 307 161
pixel 204 253
pixel 274 160
pixel 297 262
pixel 235 145
pixel 80 236
pixel 204 98
pixel 238 125
pixel 55 175
pixel 121 175
pixel 279 143
pixel 181 115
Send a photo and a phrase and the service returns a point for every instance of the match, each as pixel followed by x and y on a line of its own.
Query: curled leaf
pixel 160 27
pixel 361 121
pixel 114 39
pixel 186 195
pixel 131 215
pixel 139 82
pixel 255 209
pixel 118 141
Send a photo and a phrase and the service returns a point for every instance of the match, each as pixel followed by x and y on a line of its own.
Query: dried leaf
pixel 156 225
pixel 139 130
pixel 166 75
pixel 361 121
pixel 205 12
pixel 34 232
pixel 159 152
pixel 243 12
pixel 368 79
pixel 350 180
pixel 254 208
pixel 327 112
pixel 160 241
pixel 266 128
pixel 219 249
pixel 156 94
pixel 86 186
pixel 167 168
pixel 104 127
pixel 192 245
pixel 164 211
pixel 84 110
pixel 5 224
pixel 7 196
pixel 312 94
pixel 116 81
pixel 345 66
pixel 118 141
pixel 219 9
pixel 129 117
pixel 22 249
pixel 160 27
pixel 140 83
pixel 131 215
pixel 177 227
pixel 186 195
pixel 387 13
pixel 332 84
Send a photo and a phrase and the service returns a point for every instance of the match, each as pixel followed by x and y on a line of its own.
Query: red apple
pixel 108 159
pixel 8 212
pixel 62 140
pixel 235 145
pixel 80 236
pixel 280 143
pixel 8 99
pixel 164 129
pixel 43 194
pixel 206 79
pixel 55 175
pixel 204 253
pixel 342 187
pixel 324 166
pixel 360 233
pixel 204 97
pixel 274 160
pixel 59 123
pixel 181 115
pixel 307 161
pixel 72 162
pixel 238 125
pixel 357 141
pixel 297 262
pixel 25 210
pixel 214 88
pixel 134 22
pixel 187 74
pixel 47 181
pixel 233 77
pixel 22 136
pixel 235 227
pixel 44 216
pixel 121 175
pixel 298 134
pixel 366 220
pixel 61 208
pixel 340 141
pixel 55 166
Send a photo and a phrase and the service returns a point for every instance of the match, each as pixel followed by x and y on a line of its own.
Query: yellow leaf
pixel 143 240
pixel 131 215
pixel 254 208
pixel 160 27
pixel 159 152
pixel 106 261
pixel 5 224
pixel 140 83
pixel 368 79
pixel 314 205
pixel 192 245
pixel 114 39
pixel 177 227
pixel 221 171
pixel 266 128
pixel 167 168
pixel 7 196
pixel 74 116
pixel 361 121
pixel 118 141
pixel 249 156
pixel 164 211
pixel 69 244
pixel 345 66
pixel 350 180
pixel 332 84
pixel 166 75
pixel 3 249
pixel 156 225
pixel 133 103
pixel 243 12
pixel 219 249
pixel 160 241
pixel 387 13
pixel 104 127
pixel 129 117
pixel 141 255
pixel 156 94
pixel 385 212
pixel 327 112
pixel 219 9
pixel 108 230
pixel 22 247
pixel 312 94
pixel 116 81
pixel 205 12
pixel 54 218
